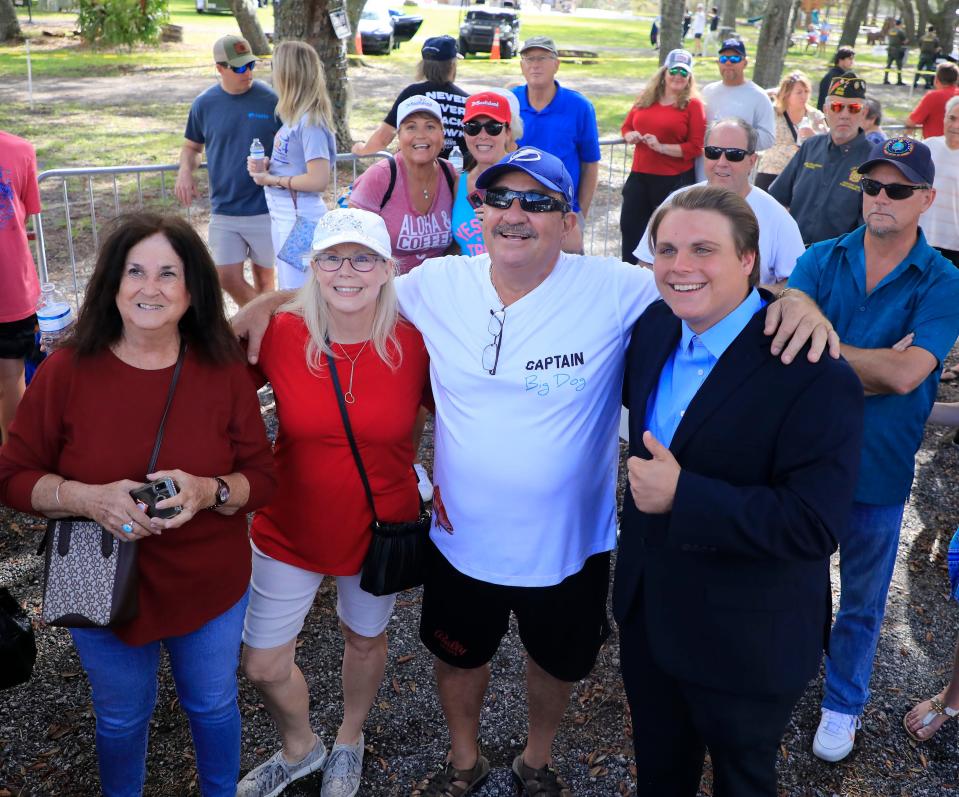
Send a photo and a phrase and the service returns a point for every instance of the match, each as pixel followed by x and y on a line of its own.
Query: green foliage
pixel 122 22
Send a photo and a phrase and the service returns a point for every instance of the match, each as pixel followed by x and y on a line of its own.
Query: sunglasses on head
pixel 679 70
pixel 893 190
pixel 530 201
pixel 239 69
pixel 472 127
pixel 730 59
pixel 837 107
pixel 733 154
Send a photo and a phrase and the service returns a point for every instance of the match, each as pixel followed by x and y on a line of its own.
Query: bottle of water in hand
pixel 258 154
pixel 54 317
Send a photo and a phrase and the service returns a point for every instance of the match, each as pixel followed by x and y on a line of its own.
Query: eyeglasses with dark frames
pixel 896 191
pixel 361 263
pixel 472 127
pixel 497 319
pixel 530 201
pixel 238 69
pixel 733 154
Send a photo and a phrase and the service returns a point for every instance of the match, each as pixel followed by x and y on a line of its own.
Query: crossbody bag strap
pixel 166 409
pixel 349 433
pixel 792 127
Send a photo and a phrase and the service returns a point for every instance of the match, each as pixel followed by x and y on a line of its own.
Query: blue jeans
pixel 867 556
pixel 124 683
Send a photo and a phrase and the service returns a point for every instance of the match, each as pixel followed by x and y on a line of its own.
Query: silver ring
pixel 127 528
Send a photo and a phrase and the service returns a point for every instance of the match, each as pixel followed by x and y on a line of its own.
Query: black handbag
pixel 18 647
pixel 89 576
pixel 397 553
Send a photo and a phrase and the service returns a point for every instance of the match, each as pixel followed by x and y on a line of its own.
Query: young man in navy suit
pixel 739 482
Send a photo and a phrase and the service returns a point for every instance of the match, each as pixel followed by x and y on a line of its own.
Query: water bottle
pixel 456 159
pixel 54 317
pixel 258 154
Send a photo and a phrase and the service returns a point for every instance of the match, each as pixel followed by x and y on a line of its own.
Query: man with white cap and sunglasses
pixel 527 349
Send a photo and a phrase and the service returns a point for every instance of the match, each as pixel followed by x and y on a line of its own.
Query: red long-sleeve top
pixel 670 125
pixel 319 518
pixel 94 420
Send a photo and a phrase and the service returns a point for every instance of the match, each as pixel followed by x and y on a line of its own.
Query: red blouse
pixel 670 125
pixel 95 419
pixel 319 518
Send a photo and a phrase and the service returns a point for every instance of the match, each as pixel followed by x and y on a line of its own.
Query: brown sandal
pixel 443 783
pixel 544 782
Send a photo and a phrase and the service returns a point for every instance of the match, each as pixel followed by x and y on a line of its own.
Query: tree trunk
pixel 9 24
pixel 771 47
pixel 353 10
pixel 875 13
pixel 728 11
pixel 670 27
pixel 854 19
pixel 794 19
pixel 908 20
pixel 309 21
pixel 245 13
pixel 944 21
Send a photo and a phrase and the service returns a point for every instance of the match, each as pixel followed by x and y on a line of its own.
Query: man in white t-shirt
pixel 527 349
pixel 941 222
pixel 730 156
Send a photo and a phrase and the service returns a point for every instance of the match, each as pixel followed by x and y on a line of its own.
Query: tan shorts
pixel 233 239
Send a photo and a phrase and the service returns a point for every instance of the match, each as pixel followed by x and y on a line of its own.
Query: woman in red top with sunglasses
pixel 667 124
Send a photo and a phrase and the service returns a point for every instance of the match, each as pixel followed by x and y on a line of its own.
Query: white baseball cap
pixel 352 226
pixel 418 104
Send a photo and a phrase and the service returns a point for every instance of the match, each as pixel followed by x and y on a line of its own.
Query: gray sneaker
pixel 274 774
pixel 344 767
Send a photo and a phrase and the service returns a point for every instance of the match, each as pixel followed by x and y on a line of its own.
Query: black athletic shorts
pixel 17 338
pixel 562 627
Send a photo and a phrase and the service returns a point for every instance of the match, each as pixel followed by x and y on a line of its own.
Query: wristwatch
pixel 222 494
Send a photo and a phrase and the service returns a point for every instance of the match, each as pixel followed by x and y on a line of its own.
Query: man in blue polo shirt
pixel 562 122
pixel 892 298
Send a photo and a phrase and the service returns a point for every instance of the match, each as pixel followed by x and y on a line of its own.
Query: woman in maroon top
pixel 82 440
pixel 318 524
pixel 668 125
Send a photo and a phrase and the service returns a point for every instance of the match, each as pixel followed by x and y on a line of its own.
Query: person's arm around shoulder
pixel 380 140
pixel 190 156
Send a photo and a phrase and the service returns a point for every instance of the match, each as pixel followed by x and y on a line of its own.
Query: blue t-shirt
pixel 920 295
pixel 565 128
pixel 467 229
pixel 226 125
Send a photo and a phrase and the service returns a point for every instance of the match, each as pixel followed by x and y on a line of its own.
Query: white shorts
pixel 281 596
pixel 235 238
pixel 282 218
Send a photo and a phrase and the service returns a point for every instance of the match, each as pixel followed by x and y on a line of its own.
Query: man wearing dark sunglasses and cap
pixel 892 298
pixel 820 185
pixel 224 120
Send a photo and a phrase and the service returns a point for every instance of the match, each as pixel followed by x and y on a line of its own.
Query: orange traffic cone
pixel 358 44
pixel 494 54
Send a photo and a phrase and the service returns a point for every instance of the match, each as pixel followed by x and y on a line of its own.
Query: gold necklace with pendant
pixel 348 397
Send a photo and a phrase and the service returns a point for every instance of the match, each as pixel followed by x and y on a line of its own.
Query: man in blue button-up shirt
pixel 892 298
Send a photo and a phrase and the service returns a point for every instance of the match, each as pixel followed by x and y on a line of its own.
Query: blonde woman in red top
pixel 668 125
pixel 318 524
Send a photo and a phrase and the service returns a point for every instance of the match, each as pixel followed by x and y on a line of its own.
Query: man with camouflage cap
pixel 820 185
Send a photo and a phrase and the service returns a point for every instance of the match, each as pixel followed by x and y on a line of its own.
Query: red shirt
pixel 19 198
pixel 319 518
pixel 931 111
pixel 95 420
pixel 670 125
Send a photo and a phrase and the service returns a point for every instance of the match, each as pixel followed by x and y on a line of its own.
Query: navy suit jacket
pixel 734 580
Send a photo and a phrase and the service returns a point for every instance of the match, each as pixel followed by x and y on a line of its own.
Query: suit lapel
pixel 746 353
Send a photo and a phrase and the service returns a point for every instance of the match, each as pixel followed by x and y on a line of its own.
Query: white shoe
pixel 835 736
pixel 343 770
pixel 423 482
pixel 275 774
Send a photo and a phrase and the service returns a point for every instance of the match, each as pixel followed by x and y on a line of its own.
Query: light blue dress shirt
pixel 690 364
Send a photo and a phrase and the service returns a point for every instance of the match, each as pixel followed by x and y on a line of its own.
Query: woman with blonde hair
pixel 668 125
pixel 796 121
pixel 298 172
pixel 345 316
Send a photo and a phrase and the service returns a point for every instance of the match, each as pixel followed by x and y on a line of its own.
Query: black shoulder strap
pixel 447 168
pixel 792 127
pixel 166 409
pixel 389 189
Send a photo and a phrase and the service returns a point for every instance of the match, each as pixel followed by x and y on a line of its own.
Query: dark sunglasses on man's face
pixel 893 190
pixel 730 59
pixel 472 127
pixel 530 201
pixel 837 107
pixel 240 69
pixel 733 154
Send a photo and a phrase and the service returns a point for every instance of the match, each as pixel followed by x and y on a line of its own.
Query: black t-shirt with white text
pixel 452 101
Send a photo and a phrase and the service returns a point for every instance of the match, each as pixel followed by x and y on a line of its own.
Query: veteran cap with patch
pixel 233 50
pixel 848 85
pixel 909 156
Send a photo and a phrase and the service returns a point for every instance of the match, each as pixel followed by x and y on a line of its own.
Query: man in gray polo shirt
pixel 225 119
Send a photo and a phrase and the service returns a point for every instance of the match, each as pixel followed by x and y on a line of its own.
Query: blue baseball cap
pixel 911 157
pixel 735 45
pixel 439 48
pixel 543 167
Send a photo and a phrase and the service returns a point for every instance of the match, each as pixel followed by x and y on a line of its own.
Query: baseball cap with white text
pixel 541 166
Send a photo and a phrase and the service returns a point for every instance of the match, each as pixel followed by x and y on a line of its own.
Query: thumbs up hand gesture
pixel 652 482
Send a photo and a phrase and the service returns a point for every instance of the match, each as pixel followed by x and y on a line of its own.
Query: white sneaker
pixel 423 483
pixel 343 770
pixel 835 736
pixel 275 774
